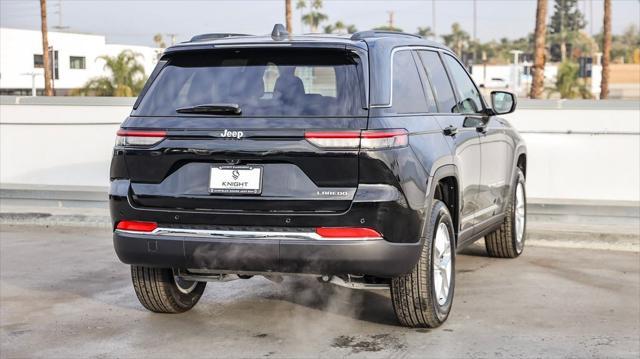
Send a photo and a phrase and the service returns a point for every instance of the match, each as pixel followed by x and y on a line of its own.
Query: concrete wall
pixel 578 150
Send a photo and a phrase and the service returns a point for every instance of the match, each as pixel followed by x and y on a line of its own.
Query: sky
pixel 135 22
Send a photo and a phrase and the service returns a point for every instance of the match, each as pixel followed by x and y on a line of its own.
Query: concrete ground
pixel 64 294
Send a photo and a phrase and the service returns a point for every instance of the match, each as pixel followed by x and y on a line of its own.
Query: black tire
pixel 503 242
pixel 157 290
pixel 413 295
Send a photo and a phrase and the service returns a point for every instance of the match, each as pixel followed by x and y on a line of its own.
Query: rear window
pixel 263 82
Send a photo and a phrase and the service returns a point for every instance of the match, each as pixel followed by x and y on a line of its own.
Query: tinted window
pixel 468 95
pixel 408 96
pixel 439 81
pixel 262 82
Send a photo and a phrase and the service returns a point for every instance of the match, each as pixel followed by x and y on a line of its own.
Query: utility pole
pixel 48 90
pixel 433 19
pixel 391 14
pixel 173 38
pixel 475 19
pixel 59 12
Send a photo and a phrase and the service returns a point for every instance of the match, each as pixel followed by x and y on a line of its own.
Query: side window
pixel 439 81
pixel 469 97
pixel 408 96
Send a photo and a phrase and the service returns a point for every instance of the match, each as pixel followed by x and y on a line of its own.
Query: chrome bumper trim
pixel 228 234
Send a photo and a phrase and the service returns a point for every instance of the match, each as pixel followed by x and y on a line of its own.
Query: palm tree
pixel 606 51
pixel 287 15
pixel 48 89
pixel 314 17
pixel 425 32
pixel 388 28
pixel 537 83
pixel 126 80
pixel 457 39
pixel 340 28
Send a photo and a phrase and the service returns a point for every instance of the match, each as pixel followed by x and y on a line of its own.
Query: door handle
pixel 482 129
pixel 450 130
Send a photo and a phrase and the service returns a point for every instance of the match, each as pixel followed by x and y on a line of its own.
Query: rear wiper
pixel 213 108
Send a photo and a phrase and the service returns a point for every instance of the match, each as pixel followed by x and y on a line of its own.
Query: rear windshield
pixel 262 82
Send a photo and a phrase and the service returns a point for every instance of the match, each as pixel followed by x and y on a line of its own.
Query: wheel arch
pixel 444 185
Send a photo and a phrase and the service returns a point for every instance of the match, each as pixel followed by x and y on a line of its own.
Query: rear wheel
pixel 423 297
pixel 508 240
pixel 160 291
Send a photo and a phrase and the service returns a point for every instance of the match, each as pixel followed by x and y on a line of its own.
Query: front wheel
pixel 508 240
pixel 160 291
pixel 423 297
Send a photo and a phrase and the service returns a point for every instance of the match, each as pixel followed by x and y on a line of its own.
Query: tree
pixel 567 83
pixel 314 17
pixel 158 39
pixel 48 89
pixel 287 15
pixel 126 78
pixel 537 83
pixel 606 51
pixel 340 28
pixel 425 32
pixel 565 22
pixel 457 39
pixel 388 28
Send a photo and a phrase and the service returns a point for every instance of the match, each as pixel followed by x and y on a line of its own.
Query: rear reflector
pixel 137 226
pixel 139 138
pixel 371 139
pixel 348 232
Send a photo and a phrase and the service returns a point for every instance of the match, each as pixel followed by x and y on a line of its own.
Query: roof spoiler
pixel 214 36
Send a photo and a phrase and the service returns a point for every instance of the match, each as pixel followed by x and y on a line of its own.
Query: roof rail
pixel 380 33
pixel 214 36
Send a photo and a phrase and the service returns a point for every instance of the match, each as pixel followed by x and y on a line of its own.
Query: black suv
pixel 365 161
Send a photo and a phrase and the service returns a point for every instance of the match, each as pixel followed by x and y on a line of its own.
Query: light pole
pixel 33 81
pixel 515 80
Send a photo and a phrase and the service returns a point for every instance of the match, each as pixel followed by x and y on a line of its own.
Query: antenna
pixel 279 32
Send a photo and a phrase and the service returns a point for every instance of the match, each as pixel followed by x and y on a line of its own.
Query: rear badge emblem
pixel 232 134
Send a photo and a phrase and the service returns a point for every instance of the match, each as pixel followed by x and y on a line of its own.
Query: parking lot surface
pixel 64 294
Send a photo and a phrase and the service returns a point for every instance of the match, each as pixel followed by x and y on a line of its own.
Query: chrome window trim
pixel 231 234
pixel 393 52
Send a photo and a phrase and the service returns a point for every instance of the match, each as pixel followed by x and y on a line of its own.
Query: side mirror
pixel 503 102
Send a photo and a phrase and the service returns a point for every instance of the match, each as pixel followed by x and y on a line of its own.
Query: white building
pixel 76 57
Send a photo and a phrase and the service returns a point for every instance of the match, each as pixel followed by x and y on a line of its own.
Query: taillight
pixel 139 137
pixel 348 232
pixel 370 139
pixel 381 139
pixel 137 226
pixel 334 139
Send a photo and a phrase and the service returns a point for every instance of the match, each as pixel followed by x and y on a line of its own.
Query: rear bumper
pixel 375 257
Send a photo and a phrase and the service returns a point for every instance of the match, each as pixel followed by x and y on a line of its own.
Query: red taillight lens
pixel 139 138
pixel 381 139
pixel 347 232
pixel 334 139
pixel 137 226
pixel 370 140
